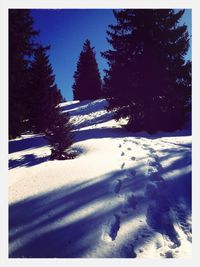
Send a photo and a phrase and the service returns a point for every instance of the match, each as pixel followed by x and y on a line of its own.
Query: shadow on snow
pixel 94 120
pixel 27 160
pixel 85 107
pixel 82 135
pixel 67 222
pixel 27 143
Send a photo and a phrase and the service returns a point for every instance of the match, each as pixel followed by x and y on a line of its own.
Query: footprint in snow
pixel 151 171
pixel 159 218
pixel 129 148
pixel 154 163
pixel 123 164
pixel 158 244
pixel 169 254
pixel 131 203
pixel 120 145
pixel 145 146
pixel 181 214
pixel 113 227
pixel 135 142
pixel 151 150
pixel 128 252
pixel 133 158
pixel 122 154
pixel 118 186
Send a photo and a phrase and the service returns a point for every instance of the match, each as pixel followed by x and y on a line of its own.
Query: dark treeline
pixel 33 94
pixel 148 80
pixel 21 48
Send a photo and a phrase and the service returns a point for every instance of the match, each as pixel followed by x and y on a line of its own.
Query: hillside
pixel 124 196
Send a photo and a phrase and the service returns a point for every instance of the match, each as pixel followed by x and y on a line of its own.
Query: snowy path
pixel 124 196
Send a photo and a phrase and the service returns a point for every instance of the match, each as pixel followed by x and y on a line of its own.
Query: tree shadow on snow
pixel 67 222
pixel 62 241
pixel 75 105
pixel 160 134
pixel 180 184
pixel 113 132
pixel 64 223
pixel 27 160
pixel 94 121
pixel 27 143
pixel 82 135
pixel 84 107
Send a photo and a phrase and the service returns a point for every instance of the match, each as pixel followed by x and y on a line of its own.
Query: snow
pixel 124 196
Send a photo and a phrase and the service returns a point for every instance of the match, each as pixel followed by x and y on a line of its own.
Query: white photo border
pixel 87 4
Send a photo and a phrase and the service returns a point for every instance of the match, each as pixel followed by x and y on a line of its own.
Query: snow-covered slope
pixel 125 195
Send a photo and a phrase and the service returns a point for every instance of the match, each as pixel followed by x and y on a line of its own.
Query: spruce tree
pixel 148 80
pixel 45 95
pixel 21 49
pixel 59 135
pixel 87 84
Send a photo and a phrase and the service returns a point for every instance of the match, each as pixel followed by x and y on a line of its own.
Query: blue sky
pixel 67 29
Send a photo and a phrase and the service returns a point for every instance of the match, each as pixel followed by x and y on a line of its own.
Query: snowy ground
pixel 125 195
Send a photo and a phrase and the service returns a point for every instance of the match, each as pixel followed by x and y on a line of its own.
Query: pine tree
pixel 21 49
pixel 60 136
pixel 58 96
pixel 87 83
pixel 45 95
pixel 148 80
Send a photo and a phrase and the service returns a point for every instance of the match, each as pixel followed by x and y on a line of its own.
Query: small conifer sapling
pixel 59 136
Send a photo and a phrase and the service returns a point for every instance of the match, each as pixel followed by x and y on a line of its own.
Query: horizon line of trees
pixel 147 80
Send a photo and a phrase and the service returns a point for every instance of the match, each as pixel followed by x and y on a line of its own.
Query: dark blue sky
pixel 67 29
